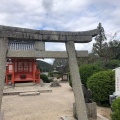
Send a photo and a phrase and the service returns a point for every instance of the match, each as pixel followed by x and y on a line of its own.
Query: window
pixel 23 66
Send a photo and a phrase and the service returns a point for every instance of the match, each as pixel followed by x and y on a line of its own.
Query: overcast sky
pixel 62 15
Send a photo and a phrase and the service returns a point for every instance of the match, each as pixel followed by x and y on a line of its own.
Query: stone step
pixel 18 92
pixel 24 84
pixel 29 93
pixel 67 118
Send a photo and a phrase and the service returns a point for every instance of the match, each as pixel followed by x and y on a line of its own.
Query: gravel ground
pixel 46 106
pixel 104 111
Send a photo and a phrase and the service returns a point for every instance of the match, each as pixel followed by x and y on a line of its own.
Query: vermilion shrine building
pixel 22 70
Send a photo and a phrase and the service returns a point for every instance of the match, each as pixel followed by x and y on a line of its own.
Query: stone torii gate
pixel 9 35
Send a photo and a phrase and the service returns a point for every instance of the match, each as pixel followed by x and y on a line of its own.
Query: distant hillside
pixel 45 67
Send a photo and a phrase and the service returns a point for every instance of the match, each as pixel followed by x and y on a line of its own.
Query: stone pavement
pixel 9 90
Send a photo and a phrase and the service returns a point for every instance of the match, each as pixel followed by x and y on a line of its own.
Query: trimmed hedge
pixel 102 84
pixel 116 109
pixel 44 78
pixel 87 70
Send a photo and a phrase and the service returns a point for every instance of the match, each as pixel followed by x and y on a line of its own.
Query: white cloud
pixel 48 5
pixel 66 15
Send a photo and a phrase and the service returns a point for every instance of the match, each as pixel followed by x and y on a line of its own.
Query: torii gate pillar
pixel 77 87
pixel 3 51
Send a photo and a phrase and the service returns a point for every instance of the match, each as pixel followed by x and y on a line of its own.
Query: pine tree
pixel 98 47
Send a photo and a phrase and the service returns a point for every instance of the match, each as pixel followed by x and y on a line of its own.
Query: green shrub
pixel 70 81
pixel 44 78
pixel 100 64
pixel 112 64
pixel 50 74
pixel 102 84
pixel 87 70
pixel 116 109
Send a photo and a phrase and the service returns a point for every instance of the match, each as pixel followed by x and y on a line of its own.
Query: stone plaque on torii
pixel 39 37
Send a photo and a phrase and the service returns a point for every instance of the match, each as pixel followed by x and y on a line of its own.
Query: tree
pixel 114 47
pixel 89 60
pixel 100 40
pixel 118 56
pixel 106 50
pixel 44 67
pixel 112 64
pixel 92 58
pixel 61 65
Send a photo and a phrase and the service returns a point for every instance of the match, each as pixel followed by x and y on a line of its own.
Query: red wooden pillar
pixel 13 82
pixel 34 71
